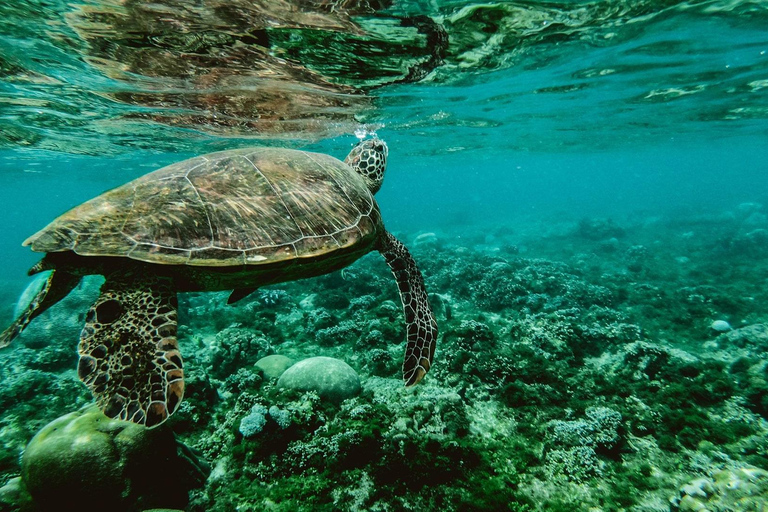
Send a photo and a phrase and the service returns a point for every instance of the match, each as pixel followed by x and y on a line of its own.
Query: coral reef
pixel 254 421
pixel 583 365
pixel 740 488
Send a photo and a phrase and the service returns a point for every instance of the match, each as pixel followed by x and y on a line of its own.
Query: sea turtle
pixel 236 219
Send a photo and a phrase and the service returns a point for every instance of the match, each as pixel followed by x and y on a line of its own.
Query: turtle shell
pixel 239 207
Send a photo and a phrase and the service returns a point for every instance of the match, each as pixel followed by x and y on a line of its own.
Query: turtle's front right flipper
pixel 129 356
pixel 56 287
pixel 421 327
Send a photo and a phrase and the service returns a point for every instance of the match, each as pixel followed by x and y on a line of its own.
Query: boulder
pixel 272 367
pixel 86 461
pixel 332 379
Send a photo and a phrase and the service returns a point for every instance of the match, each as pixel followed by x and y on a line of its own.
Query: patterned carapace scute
pixel 129 356
pixel 239 207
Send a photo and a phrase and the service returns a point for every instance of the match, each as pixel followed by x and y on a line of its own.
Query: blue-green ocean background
pixel 637 107
pixel 533 118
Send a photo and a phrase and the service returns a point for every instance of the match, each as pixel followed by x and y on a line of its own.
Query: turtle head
pixel 369 159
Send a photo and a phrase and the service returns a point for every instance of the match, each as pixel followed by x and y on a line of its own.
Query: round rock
pixel 273 366
pixel 87 462
pixel 332 379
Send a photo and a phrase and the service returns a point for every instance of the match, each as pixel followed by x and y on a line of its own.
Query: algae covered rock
pixel 753 337
pixel 13 495
pixel 720 326
pixel 332 379
pixel 272 367
pixel 744 488
pixel 87 461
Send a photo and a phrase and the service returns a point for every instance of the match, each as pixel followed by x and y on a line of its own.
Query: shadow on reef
pixel 579 369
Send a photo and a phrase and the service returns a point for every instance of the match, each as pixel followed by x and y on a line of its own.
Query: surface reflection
pixel 277 68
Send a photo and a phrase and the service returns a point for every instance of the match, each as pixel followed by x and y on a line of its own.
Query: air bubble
pixel 363 132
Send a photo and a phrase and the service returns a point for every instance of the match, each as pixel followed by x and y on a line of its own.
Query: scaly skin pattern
pixel 421 327
pixel 56 287
pixel 129 356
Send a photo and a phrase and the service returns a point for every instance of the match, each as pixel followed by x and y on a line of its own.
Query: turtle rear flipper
pixel 421 327
pixel 56 287
pixel 129 356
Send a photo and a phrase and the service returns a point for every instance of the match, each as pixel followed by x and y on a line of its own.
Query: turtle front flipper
pixel 56 287
pixel 129 356
pixel 421 327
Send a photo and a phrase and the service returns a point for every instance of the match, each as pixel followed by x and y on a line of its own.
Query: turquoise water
pixel 581 183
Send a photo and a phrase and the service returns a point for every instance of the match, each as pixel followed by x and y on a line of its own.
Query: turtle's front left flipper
pixel 55 288
pixel 421 327
pixel 129 356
